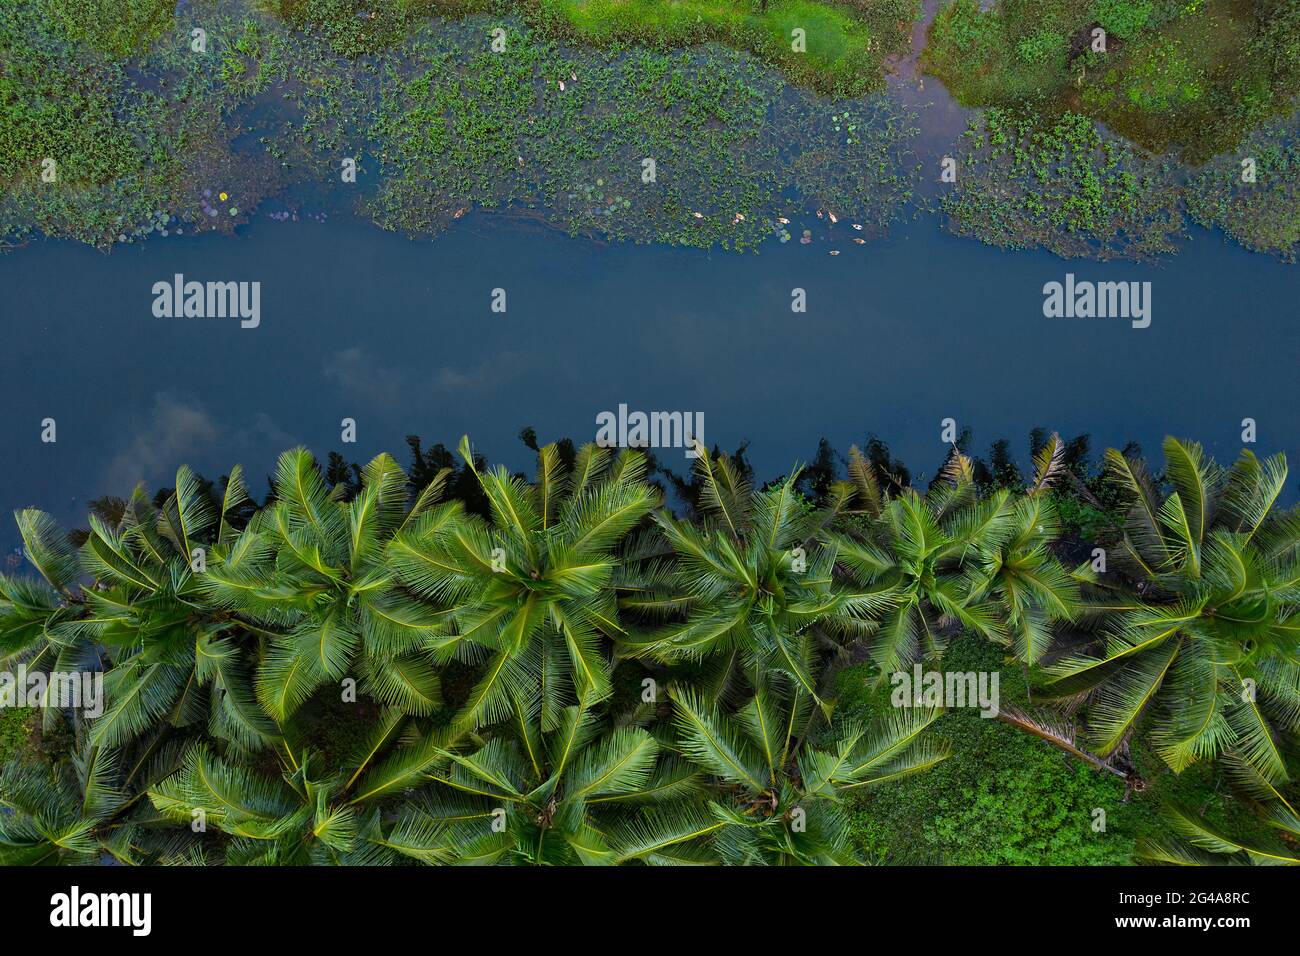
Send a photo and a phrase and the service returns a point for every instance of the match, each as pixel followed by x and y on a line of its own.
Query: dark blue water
pixel 359 323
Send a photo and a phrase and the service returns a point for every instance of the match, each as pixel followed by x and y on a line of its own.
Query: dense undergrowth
pixel 461 665
pixel 1002 798
pixel 1192 76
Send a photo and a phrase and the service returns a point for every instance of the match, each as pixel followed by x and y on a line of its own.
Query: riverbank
pixel 630 140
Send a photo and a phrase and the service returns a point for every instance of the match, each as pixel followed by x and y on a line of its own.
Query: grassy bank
pixel 842 48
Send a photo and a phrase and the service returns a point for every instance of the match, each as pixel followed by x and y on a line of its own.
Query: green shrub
pixel 1041 47
pixel 1003 797
pixel 1122 18
pixel 15 732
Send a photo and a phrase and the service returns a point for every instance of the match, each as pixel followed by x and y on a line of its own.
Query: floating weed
pixel 1062 185
pixel 726 136
pixel 1263 215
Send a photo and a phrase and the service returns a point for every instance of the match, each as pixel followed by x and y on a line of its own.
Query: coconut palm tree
pixel 952 559
pixel 36 613
pixel 751 590
pixel 782 769
pixel 1199 602
pixel 586 792
pixel 134 598
pixel 1010 559
pixel 920 551
pixel 310 575
pixel 531 588
pixel 1194 842
pixel 312 813
pixel 88 808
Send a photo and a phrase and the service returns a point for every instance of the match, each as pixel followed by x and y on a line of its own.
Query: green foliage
pixel 133 139
pixel 1080 519
pixel 1042 47
pixel 1122 18
pixel 1263 215
pixel 237 638
pixel 1063 185
pixel 1002 798
pixel 145 135
pixel 572 795
pixel 15 733
pixel 951 560
pixel 117 27
pixel 354 28
pixel 1194 78
pixel 1197 615
pixel 84 808
pixel 747 590
pixel 1034 812
pixel 146 146
pixel 846 44
pixel 784 795
pixel 731 145
pixel 50 108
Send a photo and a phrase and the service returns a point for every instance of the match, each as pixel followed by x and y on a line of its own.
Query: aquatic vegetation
pixel 1263 215
pixel 1063 185
pixel 1188 77
pixel 354 28
pixel 147 150
pixel 57 106
pixel 688 148
pixel 119 28
pixel 113 139
pixel 107 151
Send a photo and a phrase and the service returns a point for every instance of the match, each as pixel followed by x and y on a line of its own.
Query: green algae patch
pixel 1062 185
pixel 1191 76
